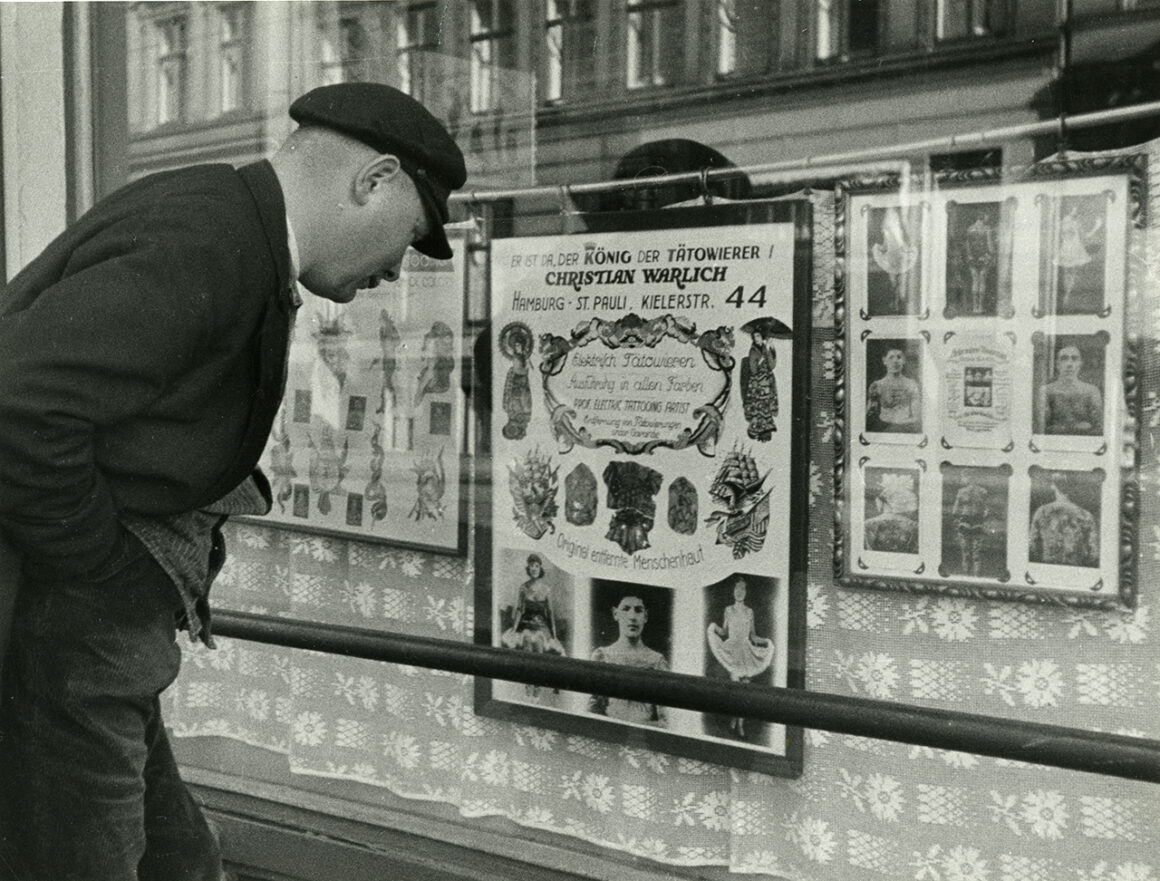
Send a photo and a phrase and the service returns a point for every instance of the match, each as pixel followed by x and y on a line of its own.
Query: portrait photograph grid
pixel 985 346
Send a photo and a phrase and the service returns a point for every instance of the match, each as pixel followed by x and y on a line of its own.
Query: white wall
pixel 33 128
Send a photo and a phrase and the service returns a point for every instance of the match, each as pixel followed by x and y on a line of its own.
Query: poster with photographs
pixel 369 441
pixel 989 383
pixel 642 490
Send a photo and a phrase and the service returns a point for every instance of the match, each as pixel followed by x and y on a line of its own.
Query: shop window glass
pixel 571 47
pixel 655 42
pixel 492 51
pixel 331 726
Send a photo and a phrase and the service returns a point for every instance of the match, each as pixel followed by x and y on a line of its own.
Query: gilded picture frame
pixel 987 381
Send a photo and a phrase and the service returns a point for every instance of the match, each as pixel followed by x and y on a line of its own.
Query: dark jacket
pixel 142 360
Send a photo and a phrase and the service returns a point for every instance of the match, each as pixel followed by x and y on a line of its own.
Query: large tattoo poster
pixel 368 443
pixel 645 471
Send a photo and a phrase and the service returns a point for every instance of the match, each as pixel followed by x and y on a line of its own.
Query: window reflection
pixel 726 36
pixel 960 19
pixel 171 74
pixel 492 51
pixel 749 35
pixel 571 48
pixel 845 28
pixel 655 42
pixel 416 34
pixel 231 57
pixel 344 47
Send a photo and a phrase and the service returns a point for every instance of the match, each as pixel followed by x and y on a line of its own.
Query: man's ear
pixel 373 174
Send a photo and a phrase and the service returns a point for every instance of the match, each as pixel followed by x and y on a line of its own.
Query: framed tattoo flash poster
pixel 643 491
pixel 369 441
pixel 988 372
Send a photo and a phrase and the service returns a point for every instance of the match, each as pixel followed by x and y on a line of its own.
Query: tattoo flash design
pixel 631 494
pixel 328 466
pixel 282 464
pixel 580 496
pixel 683 506
pixel 375 492
pixel 745 521
pixel 516 343
pixel 430 484
pixel 533 483
pixel 758 381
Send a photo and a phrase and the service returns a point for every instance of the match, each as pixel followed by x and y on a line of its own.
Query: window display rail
pixel 836 164
pixel 1077 749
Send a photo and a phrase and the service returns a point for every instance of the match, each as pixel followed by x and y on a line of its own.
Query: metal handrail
pixel 829 161
pixel 1073 748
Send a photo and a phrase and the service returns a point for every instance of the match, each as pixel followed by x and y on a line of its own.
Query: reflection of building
pixel 212 80
pixel 537 92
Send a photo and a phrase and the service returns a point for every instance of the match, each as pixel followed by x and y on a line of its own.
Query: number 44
pixel 738 298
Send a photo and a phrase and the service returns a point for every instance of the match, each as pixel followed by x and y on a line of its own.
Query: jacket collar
pixel 266 191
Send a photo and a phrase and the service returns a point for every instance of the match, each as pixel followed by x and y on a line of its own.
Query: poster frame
pixel 490 475
pixel 455 493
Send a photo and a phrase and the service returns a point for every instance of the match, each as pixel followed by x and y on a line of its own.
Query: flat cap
pixel 393 122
